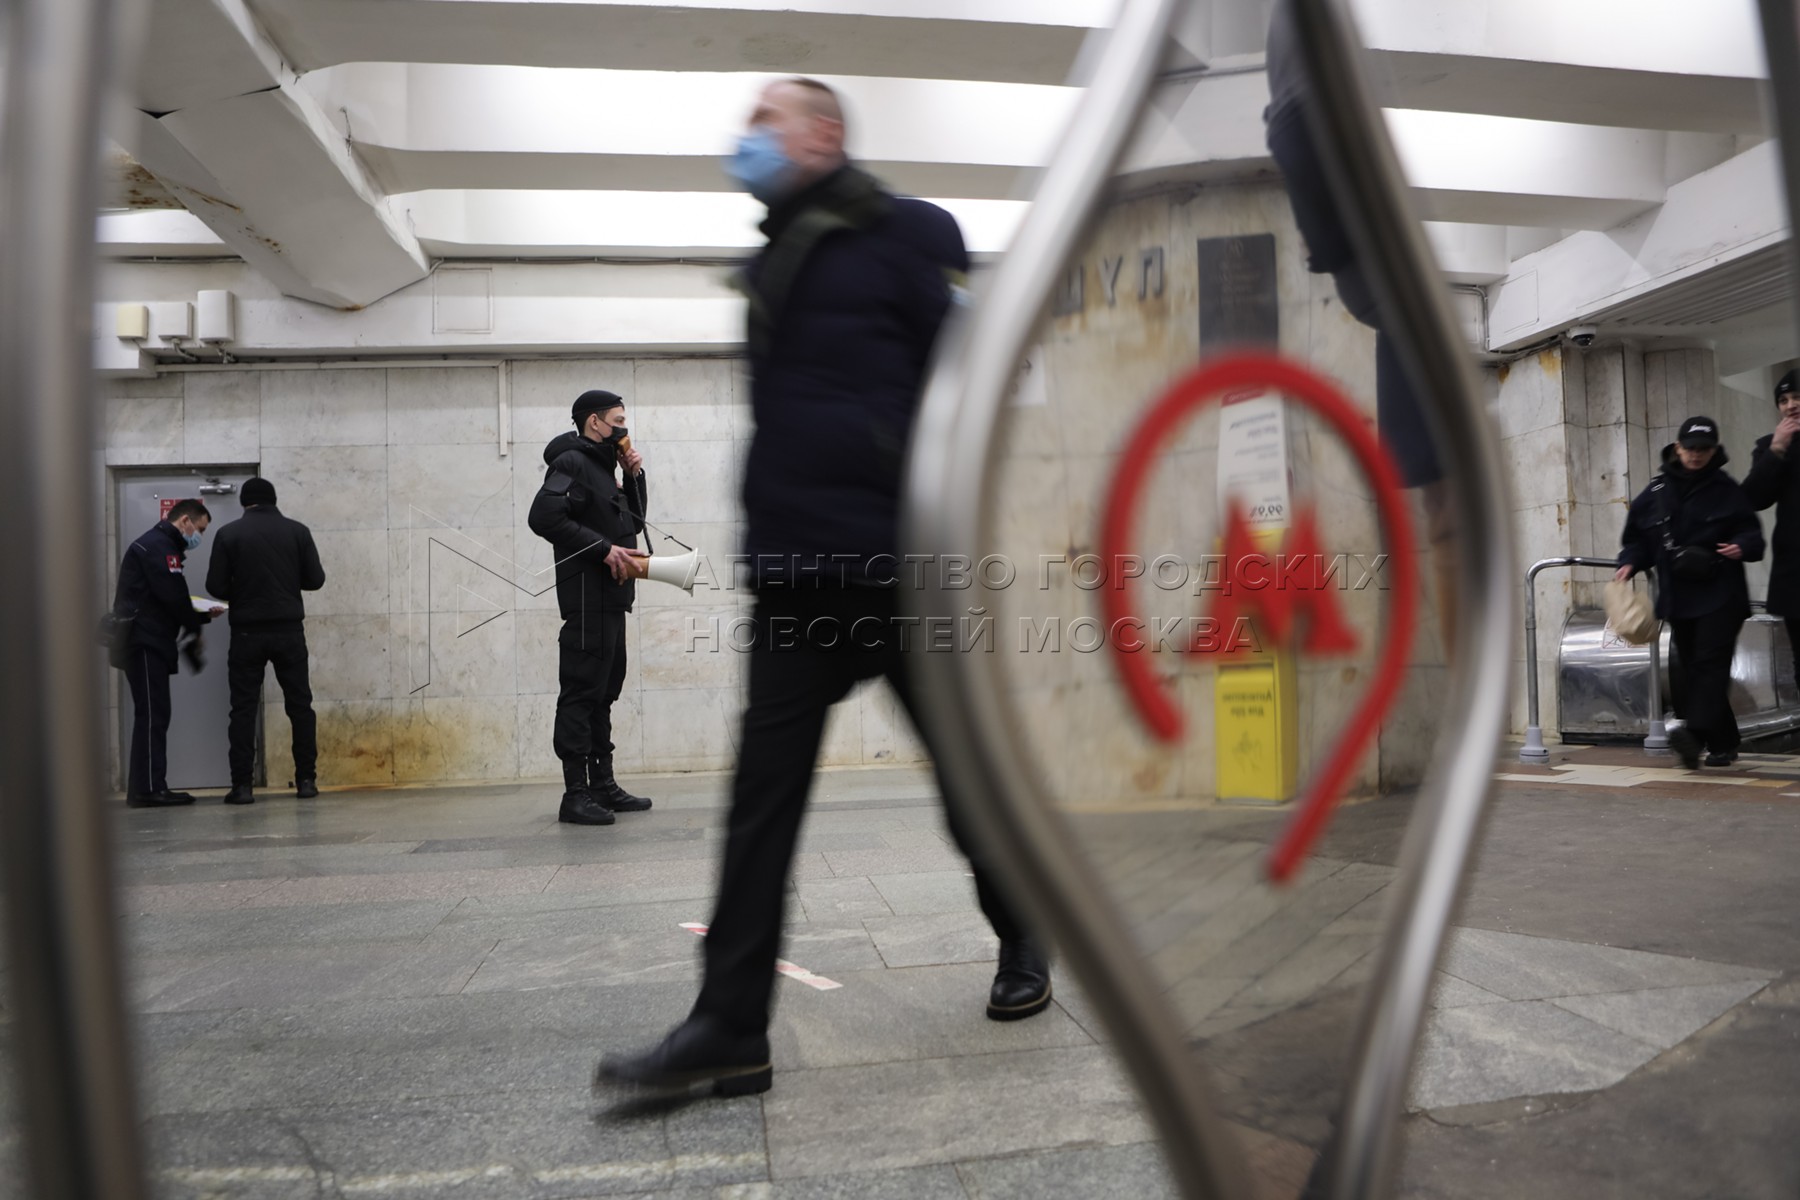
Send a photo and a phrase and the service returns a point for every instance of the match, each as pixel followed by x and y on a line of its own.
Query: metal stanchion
pixel 71 1044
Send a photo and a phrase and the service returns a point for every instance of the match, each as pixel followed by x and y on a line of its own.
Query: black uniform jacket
pixel 583 513
pixel 1774 480
pixel 153 590
pixel 261 562
pixel 846 303
pixel 1703 509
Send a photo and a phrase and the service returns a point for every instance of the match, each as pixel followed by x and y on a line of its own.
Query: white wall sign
pixel 1253 458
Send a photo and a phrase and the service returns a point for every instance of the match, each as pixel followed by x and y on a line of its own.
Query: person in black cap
pixel 261 562
pixel 1694 526
pixel 1774 482
pixel 591 523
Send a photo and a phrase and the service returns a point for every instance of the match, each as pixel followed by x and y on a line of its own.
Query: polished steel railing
pixel 949 498
pixel 70 1041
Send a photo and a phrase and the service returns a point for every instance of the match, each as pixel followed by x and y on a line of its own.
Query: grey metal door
pixel 201 703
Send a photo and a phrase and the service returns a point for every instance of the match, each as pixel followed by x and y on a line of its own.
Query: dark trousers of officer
pixel 147 675
pixel 1705 646
pixel 252 650
pixel 794 681
pixel 590 674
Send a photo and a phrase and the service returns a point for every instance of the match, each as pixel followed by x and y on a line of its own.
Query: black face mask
pixel 618 432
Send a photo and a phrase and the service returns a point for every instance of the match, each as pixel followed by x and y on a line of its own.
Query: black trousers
pixel 251 651
pixel 794 680
pixel 1705 646
pixel 147 675
pixel 590 675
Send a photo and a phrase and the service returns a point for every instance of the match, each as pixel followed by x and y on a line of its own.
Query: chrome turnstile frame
pixel 1656 738
pixel 944 512
pixel 71 1044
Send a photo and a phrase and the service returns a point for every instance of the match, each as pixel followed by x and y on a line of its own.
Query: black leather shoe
pixel 162 799
pixel 699 1050
pixel 1683 742
pixel 582 807
pixel 1721 758
pixel 240 793
pixel 1021 985
pixel 306 789
pixel 603 785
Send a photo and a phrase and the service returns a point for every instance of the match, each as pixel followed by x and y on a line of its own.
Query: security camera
pixel 1583 335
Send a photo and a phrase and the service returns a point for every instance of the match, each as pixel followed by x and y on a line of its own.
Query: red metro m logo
pixel 1254 584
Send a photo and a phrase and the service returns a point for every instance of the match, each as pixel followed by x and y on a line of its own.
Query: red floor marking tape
pixel 798 974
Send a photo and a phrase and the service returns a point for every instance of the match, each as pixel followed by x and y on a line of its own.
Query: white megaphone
pixel 676 570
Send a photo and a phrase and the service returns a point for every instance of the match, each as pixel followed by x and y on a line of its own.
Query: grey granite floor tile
pixel 604 958
pixel 565 915
pixel 539 1146
pixel 932 938
pixel 837 1121
pixel 410 885
pixel 928 892
pixel 916 1013
pixel 695 877
pixel 219 930
pixel 1663 1017
pixel 916 1183
pixel 1450 992
pixel 1536 968
pixel 828 949
pixel 841 899
pixel 303 975
pixel 894 862
pixel 1137 1171
pixel 1524 1048
pixel 193 897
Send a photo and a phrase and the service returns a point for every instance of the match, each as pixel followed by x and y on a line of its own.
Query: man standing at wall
pixel 591 523
pixel 845 302
pixel 261 562
pixel 153 595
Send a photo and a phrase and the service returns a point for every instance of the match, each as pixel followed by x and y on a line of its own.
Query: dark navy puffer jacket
pixel 1703 509
pixel 835 387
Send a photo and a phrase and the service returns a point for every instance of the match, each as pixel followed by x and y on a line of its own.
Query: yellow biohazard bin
pixel 1257 752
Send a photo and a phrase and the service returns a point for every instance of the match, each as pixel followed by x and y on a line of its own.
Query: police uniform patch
pixel 175 565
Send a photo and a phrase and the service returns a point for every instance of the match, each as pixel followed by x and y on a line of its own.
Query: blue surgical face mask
pixel 192 540
pixel 760 165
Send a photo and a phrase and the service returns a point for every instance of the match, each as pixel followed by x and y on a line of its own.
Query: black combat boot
pixel 701 1050
pixel 1021 985
pixel 603 785
pixel 241 793
pixel 580 806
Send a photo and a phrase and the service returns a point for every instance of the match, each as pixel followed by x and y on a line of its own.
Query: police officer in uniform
pixel 153 595
pixel 591 522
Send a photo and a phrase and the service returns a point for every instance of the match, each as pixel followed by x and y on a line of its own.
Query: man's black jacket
pixel 1774 481
pixel 583 513
pixel 153 591
pixel 845 303
pixel 1704 509
pixel 261 562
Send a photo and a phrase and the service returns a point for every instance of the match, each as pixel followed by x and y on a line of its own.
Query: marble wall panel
pixel 536 726
pixel 689 729
pixel 324 408
pixel 457 486
pixel 684 648
pixel 697 482
pixel 433 569
pixel 455 655
pixel 349 657
pixel 143 429
pixel 842 743
pixel 684 400
pixel 535 647
pixel 1604 378
pixel 455 737
pixel 1410 731
pixel 221 417
pixel 628 736
pixel 330 488
pixel 356 572
pixel 437 405
pixel 888 735
pixel 356 744
pixel 1538 467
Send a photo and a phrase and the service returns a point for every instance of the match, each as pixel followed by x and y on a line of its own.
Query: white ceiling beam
pixel 1705 223
pixel 263 168
pixel 1020 42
